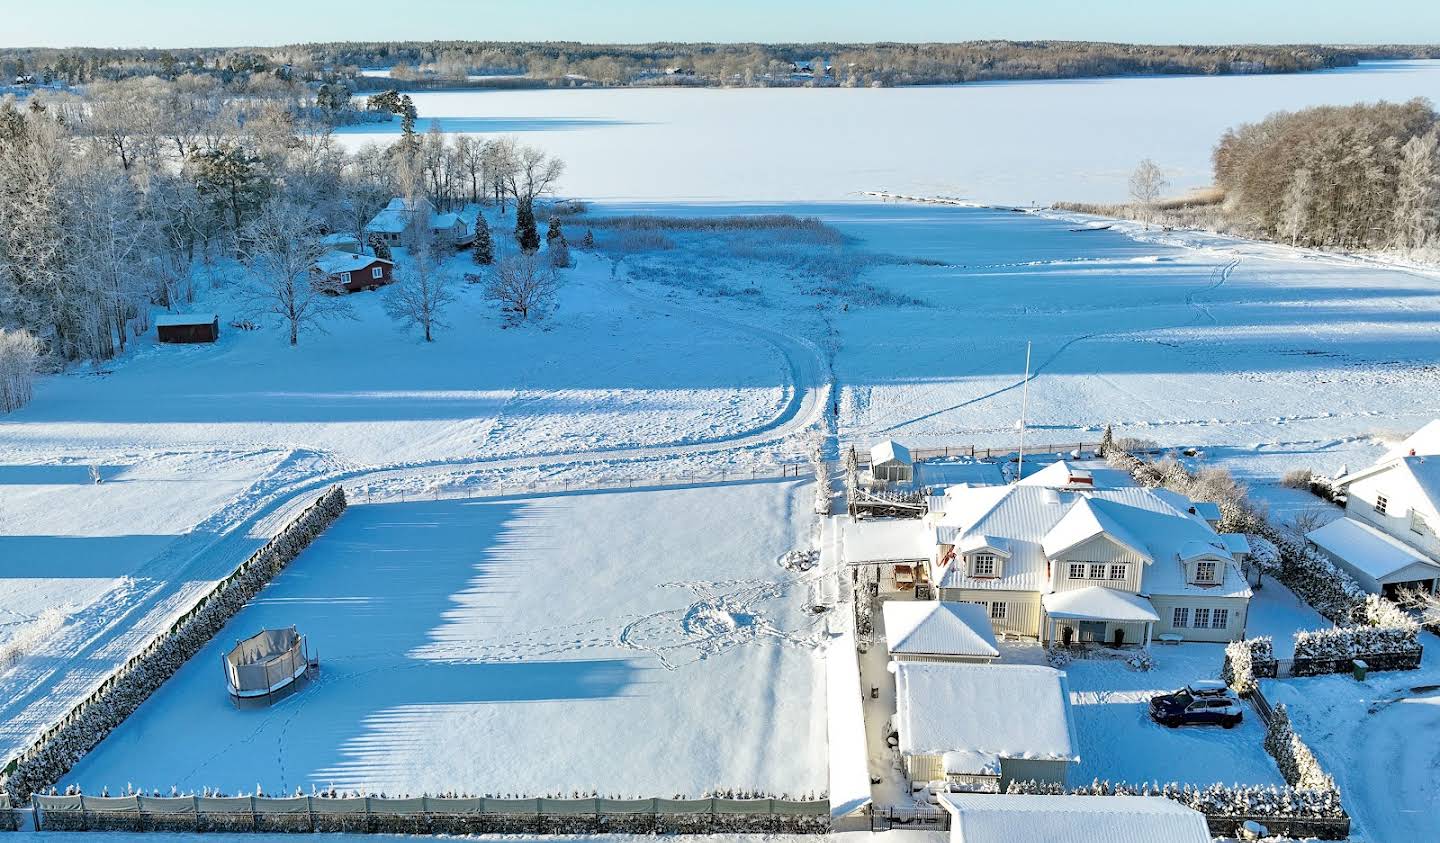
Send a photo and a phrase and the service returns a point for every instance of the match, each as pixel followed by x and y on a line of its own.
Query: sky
pixel 177 23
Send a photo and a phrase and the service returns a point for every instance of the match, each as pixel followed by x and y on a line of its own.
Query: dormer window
pixel 1381 504
pixel 983 565
pixel 1207 573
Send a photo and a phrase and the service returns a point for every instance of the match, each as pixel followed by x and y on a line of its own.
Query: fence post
pixel 84 820
pixel 310 809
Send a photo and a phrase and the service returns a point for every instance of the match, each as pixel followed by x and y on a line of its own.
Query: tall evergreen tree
pixel 554 232
pixel 525 232
pixel 379 247
pixel 484 249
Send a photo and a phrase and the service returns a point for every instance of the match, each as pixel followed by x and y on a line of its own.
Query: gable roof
pixel 889 451
pixel 334 263
pixel 1013 711
pixel 1062 474
pixel 171 320
pixel 1085 520
pixel 929 627
pixel 1372 552
pixel 1001 818
pixel 899 540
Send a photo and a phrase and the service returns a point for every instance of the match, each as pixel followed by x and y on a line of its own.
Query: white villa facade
pixel 1387 539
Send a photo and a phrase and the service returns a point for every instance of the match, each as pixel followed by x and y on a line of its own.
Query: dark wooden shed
pixel 188 327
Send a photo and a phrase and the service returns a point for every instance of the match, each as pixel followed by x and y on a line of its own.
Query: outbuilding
pixel 187 327
pixel 890 462
pixel 1379 562
pixel 354 272
pixel 934 631
pixel 1001 818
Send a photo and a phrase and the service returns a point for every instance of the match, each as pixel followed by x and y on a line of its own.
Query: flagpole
pixel 1024 412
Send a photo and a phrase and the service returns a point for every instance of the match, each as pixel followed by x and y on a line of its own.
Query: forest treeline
pixel 1358 177
pixel 425 63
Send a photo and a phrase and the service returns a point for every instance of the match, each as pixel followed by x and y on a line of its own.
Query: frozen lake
pixel 1015 143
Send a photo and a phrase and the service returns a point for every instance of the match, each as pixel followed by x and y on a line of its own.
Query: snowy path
pixel 1395 792
pixel 41 690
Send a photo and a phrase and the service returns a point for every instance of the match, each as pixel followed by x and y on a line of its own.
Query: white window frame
pixel 1214 569
pixel 1118 568
pixel 377 272
pixel 1071 571
pixel 1202 618
pixel 1219 618
pixel 998 610
pixel 1097 570
pixel 990 562
pixel 344 278
pixel 1180 617
pixel 1382 504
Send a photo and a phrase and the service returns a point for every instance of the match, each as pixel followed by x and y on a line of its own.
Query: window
pixel 344 278
pixel 984 565
pixel 1205 572
pixel 998 610
pixel 1219 619
pixel 1181 618
pixel 1202 618
pixel 1381 503
pixel 1077 570
pixel 1117 572
pixel 1097 570
pixel 377 272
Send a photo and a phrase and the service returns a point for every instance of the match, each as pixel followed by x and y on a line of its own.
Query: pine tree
pixel 555 232
pixel 379 247
pixel 589 241
pixel 525 232
pixel 407 122
pixel 1107 441
pixel 484 249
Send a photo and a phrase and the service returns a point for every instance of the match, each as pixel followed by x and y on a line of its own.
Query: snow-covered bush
pixel 1297 763
pixel 1239 671
pixel 1216 800
pixel 1140 660
pixel 1057 657
pixel 134 682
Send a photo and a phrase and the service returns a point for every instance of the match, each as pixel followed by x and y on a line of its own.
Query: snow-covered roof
pixel 170 320
pixel 1423 442
pixel 339 238
pixel 966 762
pixel 469 214
pixel 899 540
pixel 1382 557
pixel 1063 474
pixel 396 217
pixel 1236 543
pixel 889 451
pixel 333 263
pixel 929 627
pixel 1208 510
pixel 446 220
pixel 1099 603
pixel 1001 818
pixel 1012 711
pixel 1038 522
pixel 979 541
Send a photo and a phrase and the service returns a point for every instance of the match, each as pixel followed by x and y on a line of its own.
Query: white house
pixel 1387 539
pixel 400 222
pixel 1072 819
pixel 1069 558
pixel 962 723
pixel 935 631
pixel 890 462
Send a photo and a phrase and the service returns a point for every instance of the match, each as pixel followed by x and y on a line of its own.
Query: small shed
pixel 890 462
pixel 934 631
pixel 188 327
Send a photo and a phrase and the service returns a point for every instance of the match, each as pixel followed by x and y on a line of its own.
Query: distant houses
pixel 401 222
pixel 1387 540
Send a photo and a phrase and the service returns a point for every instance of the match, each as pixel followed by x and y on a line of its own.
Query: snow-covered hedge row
pixel 1216 800
pixel 1242 658
pixel 135 681
pixel 1382 628
pixel 1297 763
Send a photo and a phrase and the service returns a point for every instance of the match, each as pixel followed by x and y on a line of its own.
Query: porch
pixel 1097 615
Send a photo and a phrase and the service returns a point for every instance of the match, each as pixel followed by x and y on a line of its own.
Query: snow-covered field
pixel 626 643
pixel 1014 143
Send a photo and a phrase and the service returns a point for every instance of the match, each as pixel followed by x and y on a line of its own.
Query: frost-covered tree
pixel 232 179
pixel 526 235
pixel 1417 191
pixel 525 286
pixel 284 245
pixel 379 247
pixel 483 250
pixel 1147 184
pixel 19 356
pixel 588 242
pixel 419 297
pixel 1297 207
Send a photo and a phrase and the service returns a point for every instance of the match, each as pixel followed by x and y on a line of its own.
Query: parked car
pixel 1199 703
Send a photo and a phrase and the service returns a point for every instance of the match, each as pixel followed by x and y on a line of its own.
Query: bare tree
pixel 19 355
pixel 1147 184
pixel 1417 193
pixel 531 172
pixel 419 298
pixel 284 245
pixel 525 285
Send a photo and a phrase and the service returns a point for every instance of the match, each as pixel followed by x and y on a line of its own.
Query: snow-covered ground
pixel 1002 142
pixel 627 643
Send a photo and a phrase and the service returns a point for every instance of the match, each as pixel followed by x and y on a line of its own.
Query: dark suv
pixel 1199 703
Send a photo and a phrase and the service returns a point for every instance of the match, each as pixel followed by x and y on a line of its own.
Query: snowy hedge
pixel 1242 659
pixel 135 681
pixel 1381 628
pixel 1216 800
pixel 1297 763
